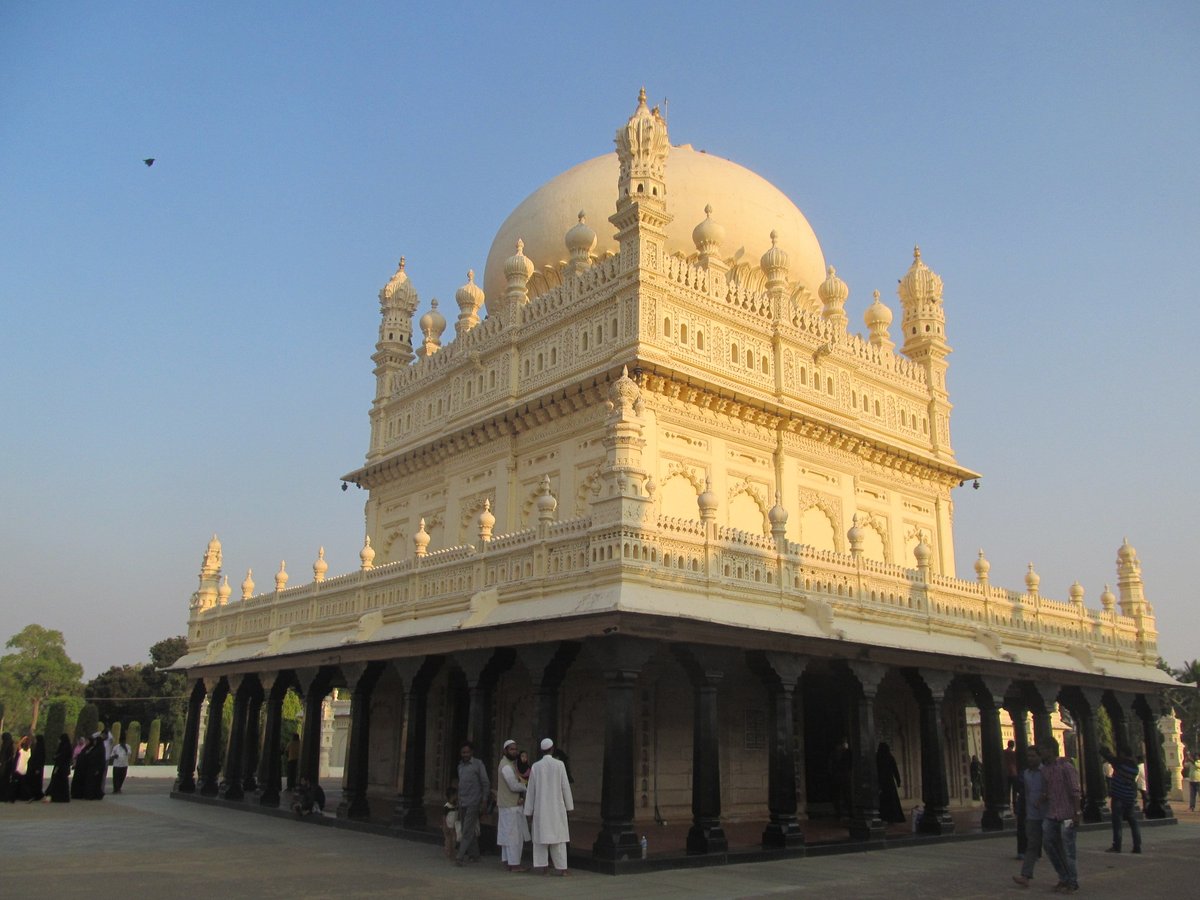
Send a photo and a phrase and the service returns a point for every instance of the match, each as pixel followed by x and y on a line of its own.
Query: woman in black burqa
pixel 889 784
pixel 60 780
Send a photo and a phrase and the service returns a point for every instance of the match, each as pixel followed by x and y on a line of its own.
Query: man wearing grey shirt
pixel 1035 812
pixel 473 789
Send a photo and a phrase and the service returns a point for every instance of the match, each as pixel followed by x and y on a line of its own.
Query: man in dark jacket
pixel 1123 791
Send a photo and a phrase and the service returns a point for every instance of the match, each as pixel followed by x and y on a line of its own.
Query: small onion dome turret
pixel 982 566
pixel 833 290
pixel 774 260
pixel 877 314
pixel 1075 592
pixel 707 501
pixel 777 515
pixel 320 567
pixel 248 585
pixel 469 297
pixel 398 287
pixel 518 264
pixel 433 323
pixel 708 235
pixel 1126 553
pixel 487 521
pixel 920 283
pixel 281 577
pixel 922 552
pixel 1032 580
pixel 224 591
pixel 367 554
pixel 546 503
pixel 580 238
pixel 855 535
pixel 1108 599
pixel 421 539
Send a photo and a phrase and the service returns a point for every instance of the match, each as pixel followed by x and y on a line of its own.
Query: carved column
pixel 314 682
pixel 185 782
pixel 547 665
pixel 276 688
pixel 780 673
pixel 929 686
pixel 237 735
pixel 1127 725
pixel 705 667
pixel 1046 696
pixel 1157 781
pixel 1086 702
pixel 989 697
pixel 250 751
pixel 622 659
pixel 210 765
pixel 360 679
pixel 416 674
pixel 865 823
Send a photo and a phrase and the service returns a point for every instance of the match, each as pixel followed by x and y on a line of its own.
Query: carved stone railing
pixel 694 557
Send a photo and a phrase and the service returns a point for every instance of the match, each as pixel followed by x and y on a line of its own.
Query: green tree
pixel 38 669
pixel 1185 699
pixel 88 722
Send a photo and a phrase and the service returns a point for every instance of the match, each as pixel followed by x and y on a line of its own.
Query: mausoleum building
pixel 655 499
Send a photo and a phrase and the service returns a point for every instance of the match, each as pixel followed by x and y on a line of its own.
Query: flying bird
pixel 149 162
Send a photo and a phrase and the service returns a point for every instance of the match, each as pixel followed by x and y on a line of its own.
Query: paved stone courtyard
pixel 143 843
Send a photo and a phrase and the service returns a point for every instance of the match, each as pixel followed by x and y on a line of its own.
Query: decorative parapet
pixel 741 570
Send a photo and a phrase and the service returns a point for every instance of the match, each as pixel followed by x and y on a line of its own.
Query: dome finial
pixel 402 262
pixel 642 96
pixel 708 210
pixel 916 252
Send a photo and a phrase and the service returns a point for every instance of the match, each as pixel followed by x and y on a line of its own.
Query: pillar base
pixel 408 815
pixel 1093 813
pixel 1156 809
pixel 707 837
pixel 269 797
pixel 867 829
pixel 998 820
pixel 233 791
pixel 353 808
pixel 934 822
pixel 250 784
pixel 617 841
pixel 783 834
pixel 209 788
pixel 185 785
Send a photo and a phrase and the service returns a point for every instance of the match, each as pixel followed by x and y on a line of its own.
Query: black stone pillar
pixel 1084 707
pixel 780 674
pixel 250 752
pixel 1017 711
pixel 276 687
pixel 989 697
pixel 1127 727
pixel 547 665
pixel 865 823
pixel 210 765
pixel 315 683
pixel 409 812
pixel 185 782
pixel 705 667
pixel 1157 782
pixel 929 686
pixel 622 659
pixel 1043 698
pixel 237 736
pixel 361 680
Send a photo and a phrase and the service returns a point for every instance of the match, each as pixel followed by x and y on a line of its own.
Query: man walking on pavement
pixel 473 788
pixel 1033 797
pixel 548 799
pixel 1062 814
pixel 1122 787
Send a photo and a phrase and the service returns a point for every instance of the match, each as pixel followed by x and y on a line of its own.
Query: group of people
pixel 80 771
pixel 532 802
pixel 1048 799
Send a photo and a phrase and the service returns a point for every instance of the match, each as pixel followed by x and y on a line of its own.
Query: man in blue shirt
pixel 1122 788
pixel 1034 790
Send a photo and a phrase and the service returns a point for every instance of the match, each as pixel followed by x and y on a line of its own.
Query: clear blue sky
pixel 186 348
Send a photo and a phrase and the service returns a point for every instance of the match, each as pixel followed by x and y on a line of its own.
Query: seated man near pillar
pixel 310 799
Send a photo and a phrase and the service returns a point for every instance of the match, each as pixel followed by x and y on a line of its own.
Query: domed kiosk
pixel 660 505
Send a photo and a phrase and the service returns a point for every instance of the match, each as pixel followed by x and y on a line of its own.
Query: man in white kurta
pixel 511 829
pixel 548 800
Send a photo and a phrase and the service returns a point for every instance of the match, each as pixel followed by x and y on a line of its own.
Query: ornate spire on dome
pixel 642 148
pixel 433 323
pixel 833 293
pixel 248 585
pixel 320 567
pixel 920 293
pixel 708 236
pixel 1032 580
pixel 397 304
pixel 367 555
pixel 281 577
pixel 775 267
pixel 470 299
pixel 920 283
pixel 877 319
pixel 518 269
pixel 212 557
pixel 421 540
pixel 580 239
pixel 487 521
pixel 546 502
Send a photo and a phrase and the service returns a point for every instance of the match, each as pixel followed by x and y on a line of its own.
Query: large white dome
pixel 747 206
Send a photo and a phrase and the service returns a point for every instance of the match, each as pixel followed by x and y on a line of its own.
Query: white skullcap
pixel 546 744
pixel 509 743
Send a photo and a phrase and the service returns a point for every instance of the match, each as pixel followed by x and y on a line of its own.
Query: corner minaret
pixel 641 217
pixel 924 326
pixel 393 351
pixel 210 577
